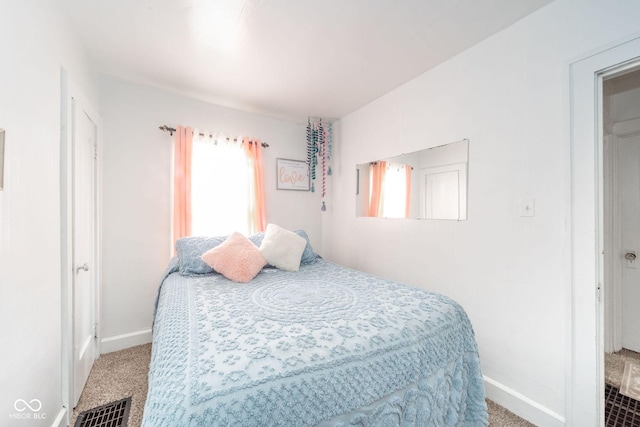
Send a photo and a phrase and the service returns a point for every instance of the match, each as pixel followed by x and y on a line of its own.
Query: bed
pixel 325 345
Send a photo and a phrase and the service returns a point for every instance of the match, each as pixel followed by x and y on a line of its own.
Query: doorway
pixel 621 238
pixel 621 198
pixel 585 385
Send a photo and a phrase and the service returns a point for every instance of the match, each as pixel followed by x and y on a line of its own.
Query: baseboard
pixel 521 405
pixel 120 342
pixel 61 419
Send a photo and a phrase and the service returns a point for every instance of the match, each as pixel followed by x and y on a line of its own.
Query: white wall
pixel 136 199
pixel 510 96
pixel 34 46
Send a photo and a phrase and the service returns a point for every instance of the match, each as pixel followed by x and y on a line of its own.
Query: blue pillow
pixel 190 250
pixel 308 256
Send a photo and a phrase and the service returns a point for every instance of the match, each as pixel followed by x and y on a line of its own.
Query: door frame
pixel 585 380
pixel 68 93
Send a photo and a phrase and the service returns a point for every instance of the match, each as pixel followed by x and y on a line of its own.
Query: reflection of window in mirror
pixel 426 184
pixel 389 189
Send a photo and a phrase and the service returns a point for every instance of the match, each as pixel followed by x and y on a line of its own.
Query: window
pixel 218 185
pixel 221 177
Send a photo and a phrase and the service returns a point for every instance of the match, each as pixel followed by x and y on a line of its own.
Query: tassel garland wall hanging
pixel 319 152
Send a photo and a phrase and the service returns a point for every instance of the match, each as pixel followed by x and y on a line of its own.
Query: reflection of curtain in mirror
pixel 390 190
pixel 407 209
pixel 376 175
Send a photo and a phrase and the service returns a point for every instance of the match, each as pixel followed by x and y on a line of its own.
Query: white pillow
pixel 282 248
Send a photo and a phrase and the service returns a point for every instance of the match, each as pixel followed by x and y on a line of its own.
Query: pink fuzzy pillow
pixel 237 258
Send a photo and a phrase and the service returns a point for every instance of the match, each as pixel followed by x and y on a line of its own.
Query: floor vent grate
pixel 114 414
pixel 621 411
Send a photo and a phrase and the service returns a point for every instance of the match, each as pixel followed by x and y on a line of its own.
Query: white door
pixel 629 205
pixel 443 192
pixel 84 133
pixel 441 195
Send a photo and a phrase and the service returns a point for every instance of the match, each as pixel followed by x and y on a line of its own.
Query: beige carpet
pixel 115 376
pixel 124 373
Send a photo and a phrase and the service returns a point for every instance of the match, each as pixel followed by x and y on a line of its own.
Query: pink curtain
pixel 182 182
pixel 377 171
pixel 407 210
pixel 253 151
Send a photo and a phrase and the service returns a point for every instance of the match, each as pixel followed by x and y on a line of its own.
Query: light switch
pixel 527 207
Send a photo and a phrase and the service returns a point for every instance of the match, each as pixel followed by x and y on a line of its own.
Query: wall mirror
pixel 425 184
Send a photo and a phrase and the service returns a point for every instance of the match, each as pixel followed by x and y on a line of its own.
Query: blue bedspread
pixel 326 345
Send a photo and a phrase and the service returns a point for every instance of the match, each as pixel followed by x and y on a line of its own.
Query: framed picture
pixel 292 174
pixel 1 159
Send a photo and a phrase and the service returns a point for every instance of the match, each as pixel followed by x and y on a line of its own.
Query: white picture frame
pixel 292 175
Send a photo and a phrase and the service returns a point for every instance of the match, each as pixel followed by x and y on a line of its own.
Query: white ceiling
pixel 285 58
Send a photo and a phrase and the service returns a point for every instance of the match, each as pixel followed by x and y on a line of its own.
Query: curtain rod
pixel 171 130
pixel 375 163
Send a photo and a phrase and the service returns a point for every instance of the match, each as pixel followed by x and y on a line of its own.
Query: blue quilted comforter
pixel 323 346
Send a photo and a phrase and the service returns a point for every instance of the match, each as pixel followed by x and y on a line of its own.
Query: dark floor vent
pixel 114 414
pixel 621 411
